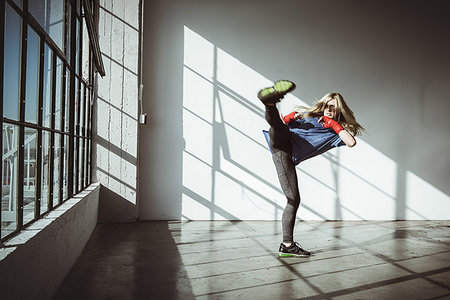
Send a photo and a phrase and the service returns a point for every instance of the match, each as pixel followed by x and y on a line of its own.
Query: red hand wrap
pixel 330 123
pixel 288 118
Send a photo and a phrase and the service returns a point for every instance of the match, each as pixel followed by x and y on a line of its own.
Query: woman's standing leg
pixel 280 142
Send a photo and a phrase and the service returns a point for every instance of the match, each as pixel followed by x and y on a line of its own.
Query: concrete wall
pixel 34 263
pixel 204 61
pixel 116 110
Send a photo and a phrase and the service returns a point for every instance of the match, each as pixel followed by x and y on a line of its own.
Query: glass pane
pixel 45 171
pixel 82 161
pixel 82 106
pixel 56 166
pixel 58 97
pixel 76 165
pixel 49 13
pixel 88 162
pixel 88 114
pixel 66 102
pixel 77 103
pixel 55 21
pixel 86 111
pixel 47 89
pixel 85 55
pixel 31 92
pixel 69 24
pixel 9 178
pixel 11 82
pixel 18 3
pixel 29 174
pixel 79 7
pixel 38 9
pixel 66 168
pixel 77 46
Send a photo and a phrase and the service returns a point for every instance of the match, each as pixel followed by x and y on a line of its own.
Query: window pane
pixel 67 101
pixel 47 93
pixel 55 23
pixel 76 174
pixel 77 103
pixel 69 25
pixel 66 168
pixel 56 166
pixel 82 105
pixel 45 171
pixel 88 113
pixel 89 161
pixel 29 175
pixel 77 46
pixel 79 7
pixel 82 161
pixel 31 93
pixel 11 82
pixel 58 97
pixel 38 9
pixel 49 13
pixel 18 3
pixel 9 178
pixel 85 55
pixel 75 164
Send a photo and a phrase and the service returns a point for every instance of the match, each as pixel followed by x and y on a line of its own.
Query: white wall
pixel 115 129
pixel 202 155
pixel 34 263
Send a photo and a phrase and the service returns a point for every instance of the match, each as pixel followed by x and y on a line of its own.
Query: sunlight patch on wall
pixel 424 202
pixel 227 168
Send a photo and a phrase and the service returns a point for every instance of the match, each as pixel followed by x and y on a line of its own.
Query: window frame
pixel 79 135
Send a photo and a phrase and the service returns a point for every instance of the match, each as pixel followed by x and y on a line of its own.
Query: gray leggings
pixel 280 143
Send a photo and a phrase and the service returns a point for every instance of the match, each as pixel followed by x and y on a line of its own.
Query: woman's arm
pixel 347 138
pixel 291 117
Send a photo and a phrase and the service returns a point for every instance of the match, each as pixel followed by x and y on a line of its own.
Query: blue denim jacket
pixel 309 138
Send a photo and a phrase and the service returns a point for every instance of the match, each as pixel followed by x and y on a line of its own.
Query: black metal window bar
pixel 50 56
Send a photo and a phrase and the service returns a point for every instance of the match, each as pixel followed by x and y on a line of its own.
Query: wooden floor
pixel 238 260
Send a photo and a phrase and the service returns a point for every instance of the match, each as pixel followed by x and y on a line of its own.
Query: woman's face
pixel 330 109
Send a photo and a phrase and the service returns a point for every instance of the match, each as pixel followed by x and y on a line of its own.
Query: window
pixel 47 70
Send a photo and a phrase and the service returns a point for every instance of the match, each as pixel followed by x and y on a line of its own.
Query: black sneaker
pixel 295 250
pixel 275 93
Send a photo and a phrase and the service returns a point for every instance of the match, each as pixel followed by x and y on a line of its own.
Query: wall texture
pixel 116 111
pixel 202 154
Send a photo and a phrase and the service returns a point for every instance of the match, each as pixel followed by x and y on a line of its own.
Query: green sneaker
pixel 275 93
pixel 295 250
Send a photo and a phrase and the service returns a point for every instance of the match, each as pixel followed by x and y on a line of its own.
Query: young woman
pixel 303 134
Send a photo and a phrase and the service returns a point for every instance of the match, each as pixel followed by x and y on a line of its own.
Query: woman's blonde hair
pixel 344 115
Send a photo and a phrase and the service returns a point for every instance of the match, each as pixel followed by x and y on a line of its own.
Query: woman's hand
pixel 346 137
pixel 291 117
pixel 330 123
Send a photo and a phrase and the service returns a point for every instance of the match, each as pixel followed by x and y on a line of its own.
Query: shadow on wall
pixel 381 69
pixel 113 207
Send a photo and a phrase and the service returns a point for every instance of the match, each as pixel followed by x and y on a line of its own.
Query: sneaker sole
pixel 269 95
pixel 275 93
pixel 281 254
pixel 284 86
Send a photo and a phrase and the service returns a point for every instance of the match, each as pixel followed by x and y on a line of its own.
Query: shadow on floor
pixel 128 261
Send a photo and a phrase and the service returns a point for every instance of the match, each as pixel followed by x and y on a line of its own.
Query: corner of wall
pixel 115 128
